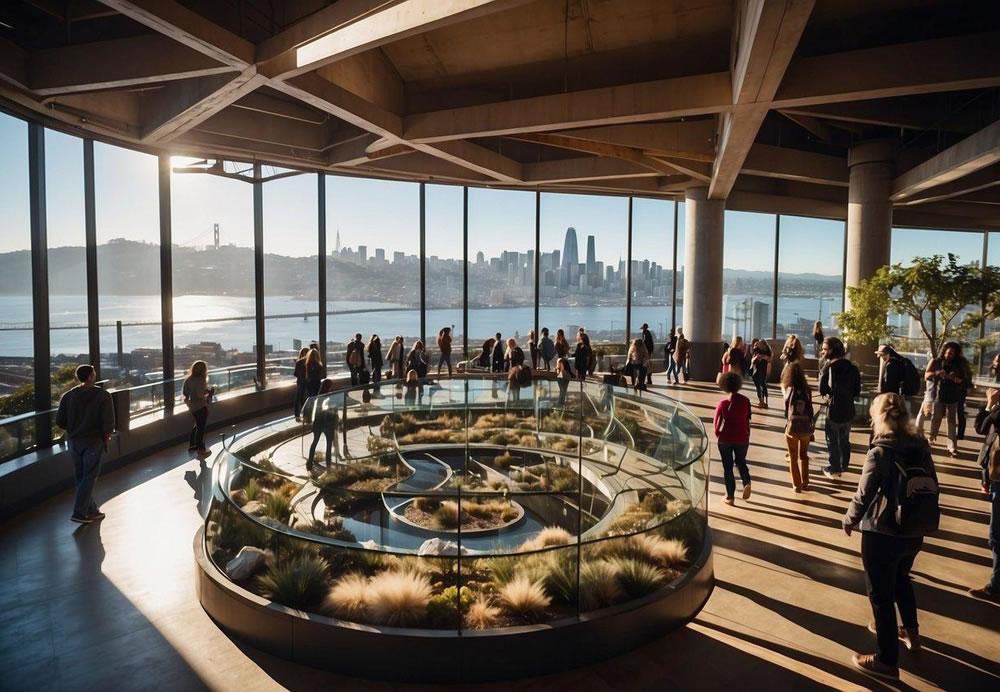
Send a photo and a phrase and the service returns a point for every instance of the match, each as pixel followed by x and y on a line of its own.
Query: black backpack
pixel 911 378
pixel 912 496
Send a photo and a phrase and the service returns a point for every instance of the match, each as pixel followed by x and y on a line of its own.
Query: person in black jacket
pixel 87 415
pixel 840 382
pixel 355 357
pixel 893 372
pixel 647 340
pixel 498 353
pixel 988 425
pixel 301 383
pixel 668 357
pixel 953 376
pixel 375 358
pixel 582 355
pixel 887 557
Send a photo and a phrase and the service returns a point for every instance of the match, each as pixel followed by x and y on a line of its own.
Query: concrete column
pixel 704 230
pixel 869 220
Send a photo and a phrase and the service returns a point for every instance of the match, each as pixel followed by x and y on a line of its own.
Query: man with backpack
pixel 895 506
pixel 988 425
pixel 840 382
pixel 356 359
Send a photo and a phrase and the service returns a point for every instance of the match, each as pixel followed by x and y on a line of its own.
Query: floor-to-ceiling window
pixel 67 240
pixel 128 265
pixel 290 270
pixel 213 246
pixel 373 263
pixel 810 277
pixel 678 311
pixel 584 248
pixel 653 254
pixel 748 278
pixel 501 287
pixel 443 267
pixel 992 327
pixel 16 345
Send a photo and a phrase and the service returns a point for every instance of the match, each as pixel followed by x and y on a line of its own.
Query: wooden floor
pixel 111 606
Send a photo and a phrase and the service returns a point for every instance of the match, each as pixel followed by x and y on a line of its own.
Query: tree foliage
pixel 932 291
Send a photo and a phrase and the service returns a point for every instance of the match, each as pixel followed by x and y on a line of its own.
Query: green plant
pixel 443 608
pixel 502 569
pixel 348 598
pixel 560 575
pixel 637 578
pixel 252 490
pixel 524 598
pixel 236 531
pixel 278 506
pixel 599 585
pixel 481 614
pixel 297 583
pixel 398 597
pixel 333 529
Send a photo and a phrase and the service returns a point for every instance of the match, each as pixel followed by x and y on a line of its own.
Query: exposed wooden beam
pixel 979 180
pixel 476 158
pixel 629 103
pixel 179 106
pixel 794 164
pixel 768 32
pixel 426 167
pixel 689 139
pixel 261 102
pixel 197 143
pixel 376 27
pixel 124 62
pixel 267 129
pixel 344 104
pixel 186 26
pixel 977 151
pixel 351 152
pixel 388 152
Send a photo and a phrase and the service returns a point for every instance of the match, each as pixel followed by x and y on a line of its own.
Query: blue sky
pixel 386 214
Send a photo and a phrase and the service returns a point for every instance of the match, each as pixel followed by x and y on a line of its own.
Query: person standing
pixel 547 348
pixel 395 357
pixel 498 353
pixel 732 430
pixel 513 356
pixel 988 425
pixel 564 373
pixel 355 358
pixel 798 423
pixel 375 358
pixel 301 383
pixel 669 349
pixel 681 355
pixel 314 371
pixel 87 414
pixel 760 360
pixel 638 364
pixel 840 382
pixel 953 376
pixel 417 360
pixel 533 348
pixel 561 345
pixel 444 346
pixel 886 555
pixel 647 341
pixel 818 338
pixel 322 412
pixel 893 370
pixel 196 393
pixel 733 359
pixel 582 355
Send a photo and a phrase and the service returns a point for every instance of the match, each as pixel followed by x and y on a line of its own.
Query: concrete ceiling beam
pixel 267 129
pixel 976 151
pixel 585 168
pixel 980 180
pixel 693 140
pixel 770 161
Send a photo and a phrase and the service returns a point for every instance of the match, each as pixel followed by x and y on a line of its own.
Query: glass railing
pixel 485 505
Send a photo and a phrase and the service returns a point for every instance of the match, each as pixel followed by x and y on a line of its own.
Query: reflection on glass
pixel 443 269
pixel 992 327
pixel 747 276
pixel 653 257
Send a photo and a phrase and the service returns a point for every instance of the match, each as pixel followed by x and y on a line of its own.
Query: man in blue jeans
pixel 987 423
pixel 88 417
pixel 840 382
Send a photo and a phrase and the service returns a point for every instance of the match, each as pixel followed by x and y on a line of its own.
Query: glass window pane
pixel 128 265
pixel 67 241
pixel 653 251
pixel 290 271
pixel 679 297
pixel 747 275
pixel 373 263
pixel 583 253
pixel 443 269
pixel 16 347
pixel 993 324
pixel 212 220
pixel 501 286
pixel 810 277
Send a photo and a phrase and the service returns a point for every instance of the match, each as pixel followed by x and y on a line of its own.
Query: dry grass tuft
pixel 482 615
pixel 524 598
pixel 398 598
pixel 550 535
pixel 348 598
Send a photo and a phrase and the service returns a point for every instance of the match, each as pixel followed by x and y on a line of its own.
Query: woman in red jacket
pixel 732 429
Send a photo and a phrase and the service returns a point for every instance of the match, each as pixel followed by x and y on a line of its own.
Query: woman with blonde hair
pixel 638 364
pixel 562 346
pixel 514 356
pixel 301 384
pixel 197 393
pixel 395 357
pixel 417 360
pixel 887 552
pixel 314 371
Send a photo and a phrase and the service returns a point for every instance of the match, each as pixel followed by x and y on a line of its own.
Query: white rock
pixel 369 545
pixel 254 507
pixel 248 561
pixel 435 546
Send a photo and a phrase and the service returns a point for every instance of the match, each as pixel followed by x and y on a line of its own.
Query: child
pixel 732 429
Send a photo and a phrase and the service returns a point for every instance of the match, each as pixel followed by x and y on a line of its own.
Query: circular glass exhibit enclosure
pixel 540 526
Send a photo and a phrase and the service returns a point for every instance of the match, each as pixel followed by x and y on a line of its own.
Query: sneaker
pixel 96 516
pixel 80 519
pixel 987 593
pixel 870 664
pixel 827 473
pixel 746 491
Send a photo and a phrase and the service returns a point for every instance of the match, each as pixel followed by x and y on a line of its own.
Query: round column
pixel 869 220
pixel 704 229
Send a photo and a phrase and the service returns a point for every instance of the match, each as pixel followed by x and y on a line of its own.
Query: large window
pixel 373 263
pixel 290 270
pixel 992 328
pixel 67 241
pixel 748 276
pixel 810 277
pixel 16 346
pixel 681 251
pixel 212 220
pixel 653 255
pixel 586 286
pixel 443 265
pixel 501 285
pixel 128 265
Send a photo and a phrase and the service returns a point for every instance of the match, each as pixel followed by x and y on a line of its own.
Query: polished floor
pixel 111 606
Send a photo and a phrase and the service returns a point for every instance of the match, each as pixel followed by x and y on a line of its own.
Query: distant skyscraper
pixel 480 257
pixel 591 256
pixel 337 249
pixel 216 229
pixel 397 257
pixel 380 254
pixel 555 260
pixel 363 253
pixel 571 251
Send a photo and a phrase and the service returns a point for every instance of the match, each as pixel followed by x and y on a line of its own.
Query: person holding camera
pixel 197 394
